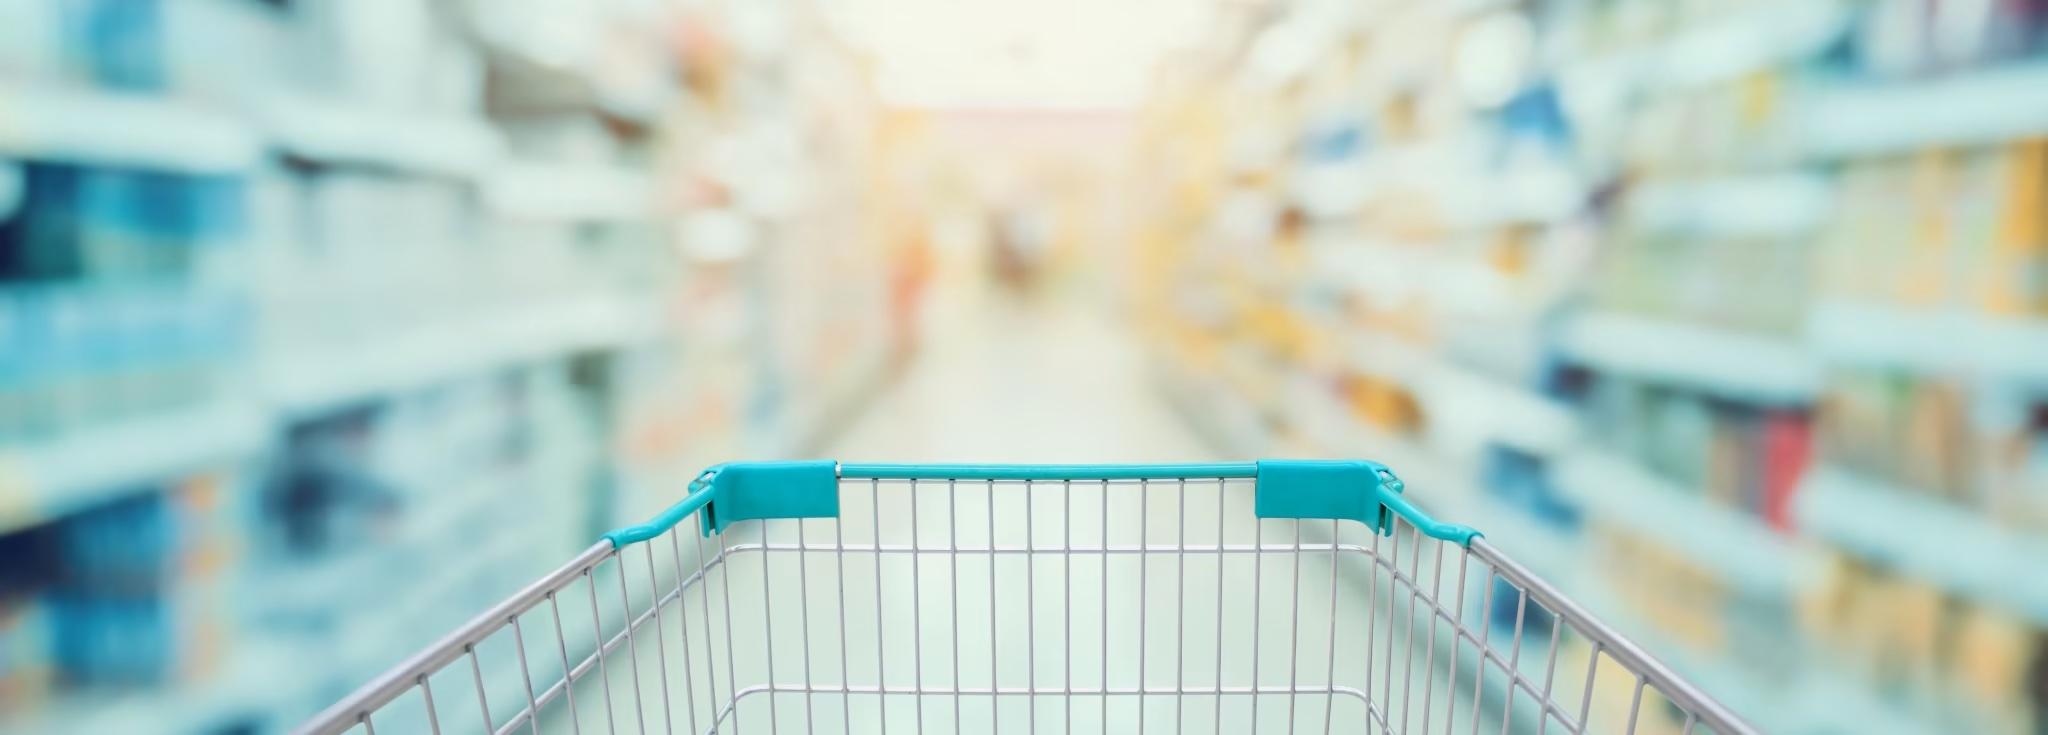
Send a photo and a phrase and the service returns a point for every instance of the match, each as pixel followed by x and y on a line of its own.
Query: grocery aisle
pixel 398 304
pixel 1059 384
pixel 1017 383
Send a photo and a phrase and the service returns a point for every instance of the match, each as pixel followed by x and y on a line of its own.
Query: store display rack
pixel 1709 316
pixel 55 478
pixel 1962 552
pixel 442 301
pixel 67 122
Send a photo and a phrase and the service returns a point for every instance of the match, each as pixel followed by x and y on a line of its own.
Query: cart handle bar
pixel 1364 491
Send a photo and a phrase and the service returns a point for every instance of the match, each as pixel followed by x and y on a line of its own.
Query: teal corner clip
pixel 750 491
pixel 1357 490
pixel 746 491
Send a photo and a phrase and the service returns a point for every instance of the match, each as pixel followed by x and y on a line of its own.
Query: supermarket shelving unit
pixel 55 478
pixel 1976 107
pixel 1959 551
pixel 322 379
pixel 1382 309
pixel 566 345
pixel 1739 366
pixel 65 121
pixel 1936 340
pixel 1735 546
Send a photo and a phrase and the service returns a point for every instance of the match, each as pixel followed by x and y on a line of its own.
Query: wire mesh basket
pixel 1272 596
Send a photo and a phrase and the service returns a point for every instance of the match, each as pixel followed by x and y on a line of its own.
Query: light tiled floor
pixel 1057 384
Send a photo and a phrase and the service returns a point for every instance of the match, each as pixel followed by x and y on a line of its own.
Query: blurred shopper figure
pixel 1022 235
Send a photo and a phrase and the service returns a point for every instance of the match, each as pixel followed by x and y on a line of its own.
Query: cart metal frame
pixel 760 510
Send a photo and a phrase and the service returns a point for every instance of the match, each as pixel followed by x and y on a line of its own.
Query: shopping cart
pixel 1271 596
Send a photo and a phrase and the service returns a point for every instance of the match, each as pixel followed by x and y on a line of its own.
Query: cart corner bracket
pixel 747 491
pixel 1319 488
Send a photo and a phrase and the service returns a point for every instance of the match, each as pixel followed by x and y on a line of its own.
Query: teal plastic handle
pixel 699 496
pixel 1341 489
pixel 1431 527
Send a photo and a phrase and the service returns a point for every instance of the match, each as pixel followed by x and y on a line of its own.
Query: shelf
pixel 1441 485
pixel 337 132
pixel 1933 340
pixel 534 191
pixel 1388 356
pixel 1726 680
pixel 244 692
pixel 1781 205
pixel 55 478
pixel 1511 346
pixel 1720 50
pixel 1735 546
pixel 1817 701
pixel 1734 365
pixel 1458 182
pixel 1836 704
pixel 49 480
pixel 411 614
pixel 331 376
pixel 1528 196
pixel 63 123
pixel 1551 552
pixel 1955 549
pixel 1768 35
pixel 1973 108
pixel 1465 406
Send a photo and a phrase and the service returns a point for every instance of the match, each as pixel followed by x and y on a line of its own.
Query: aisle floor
pixel 1053 384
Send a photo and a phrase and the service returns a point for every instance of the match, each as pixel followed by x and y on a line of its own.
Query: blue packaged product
pixel 119 43
pixel 44 232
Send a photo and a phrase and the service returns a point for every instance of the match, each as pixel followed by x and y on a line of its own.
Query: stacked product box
pixel 492 473
pixel 1931 655
pixel 118 301
pixel 1744 457
pixel 129 594
pixel 139 597
pixel 27 655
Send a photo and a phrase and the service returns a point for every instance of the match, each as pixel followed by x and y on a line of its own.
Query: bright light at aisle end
pixel 1019 54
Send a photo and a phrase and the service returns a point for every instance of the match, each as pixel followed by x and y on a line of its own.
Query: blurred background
pixel 324 324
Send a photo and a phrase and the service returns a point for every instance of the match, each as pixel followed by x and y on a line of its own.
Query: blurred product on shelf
pixel 360 496
pixel 86 356
pixel 1741 457
pixel 294 292
pixel 1951 230
pixel 1781 262
pixel 84 222
pixel 1914 38
pixel 107 43
pixel 1918 432
pixel 133 593
pixel 1977 667
pixel 114 306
